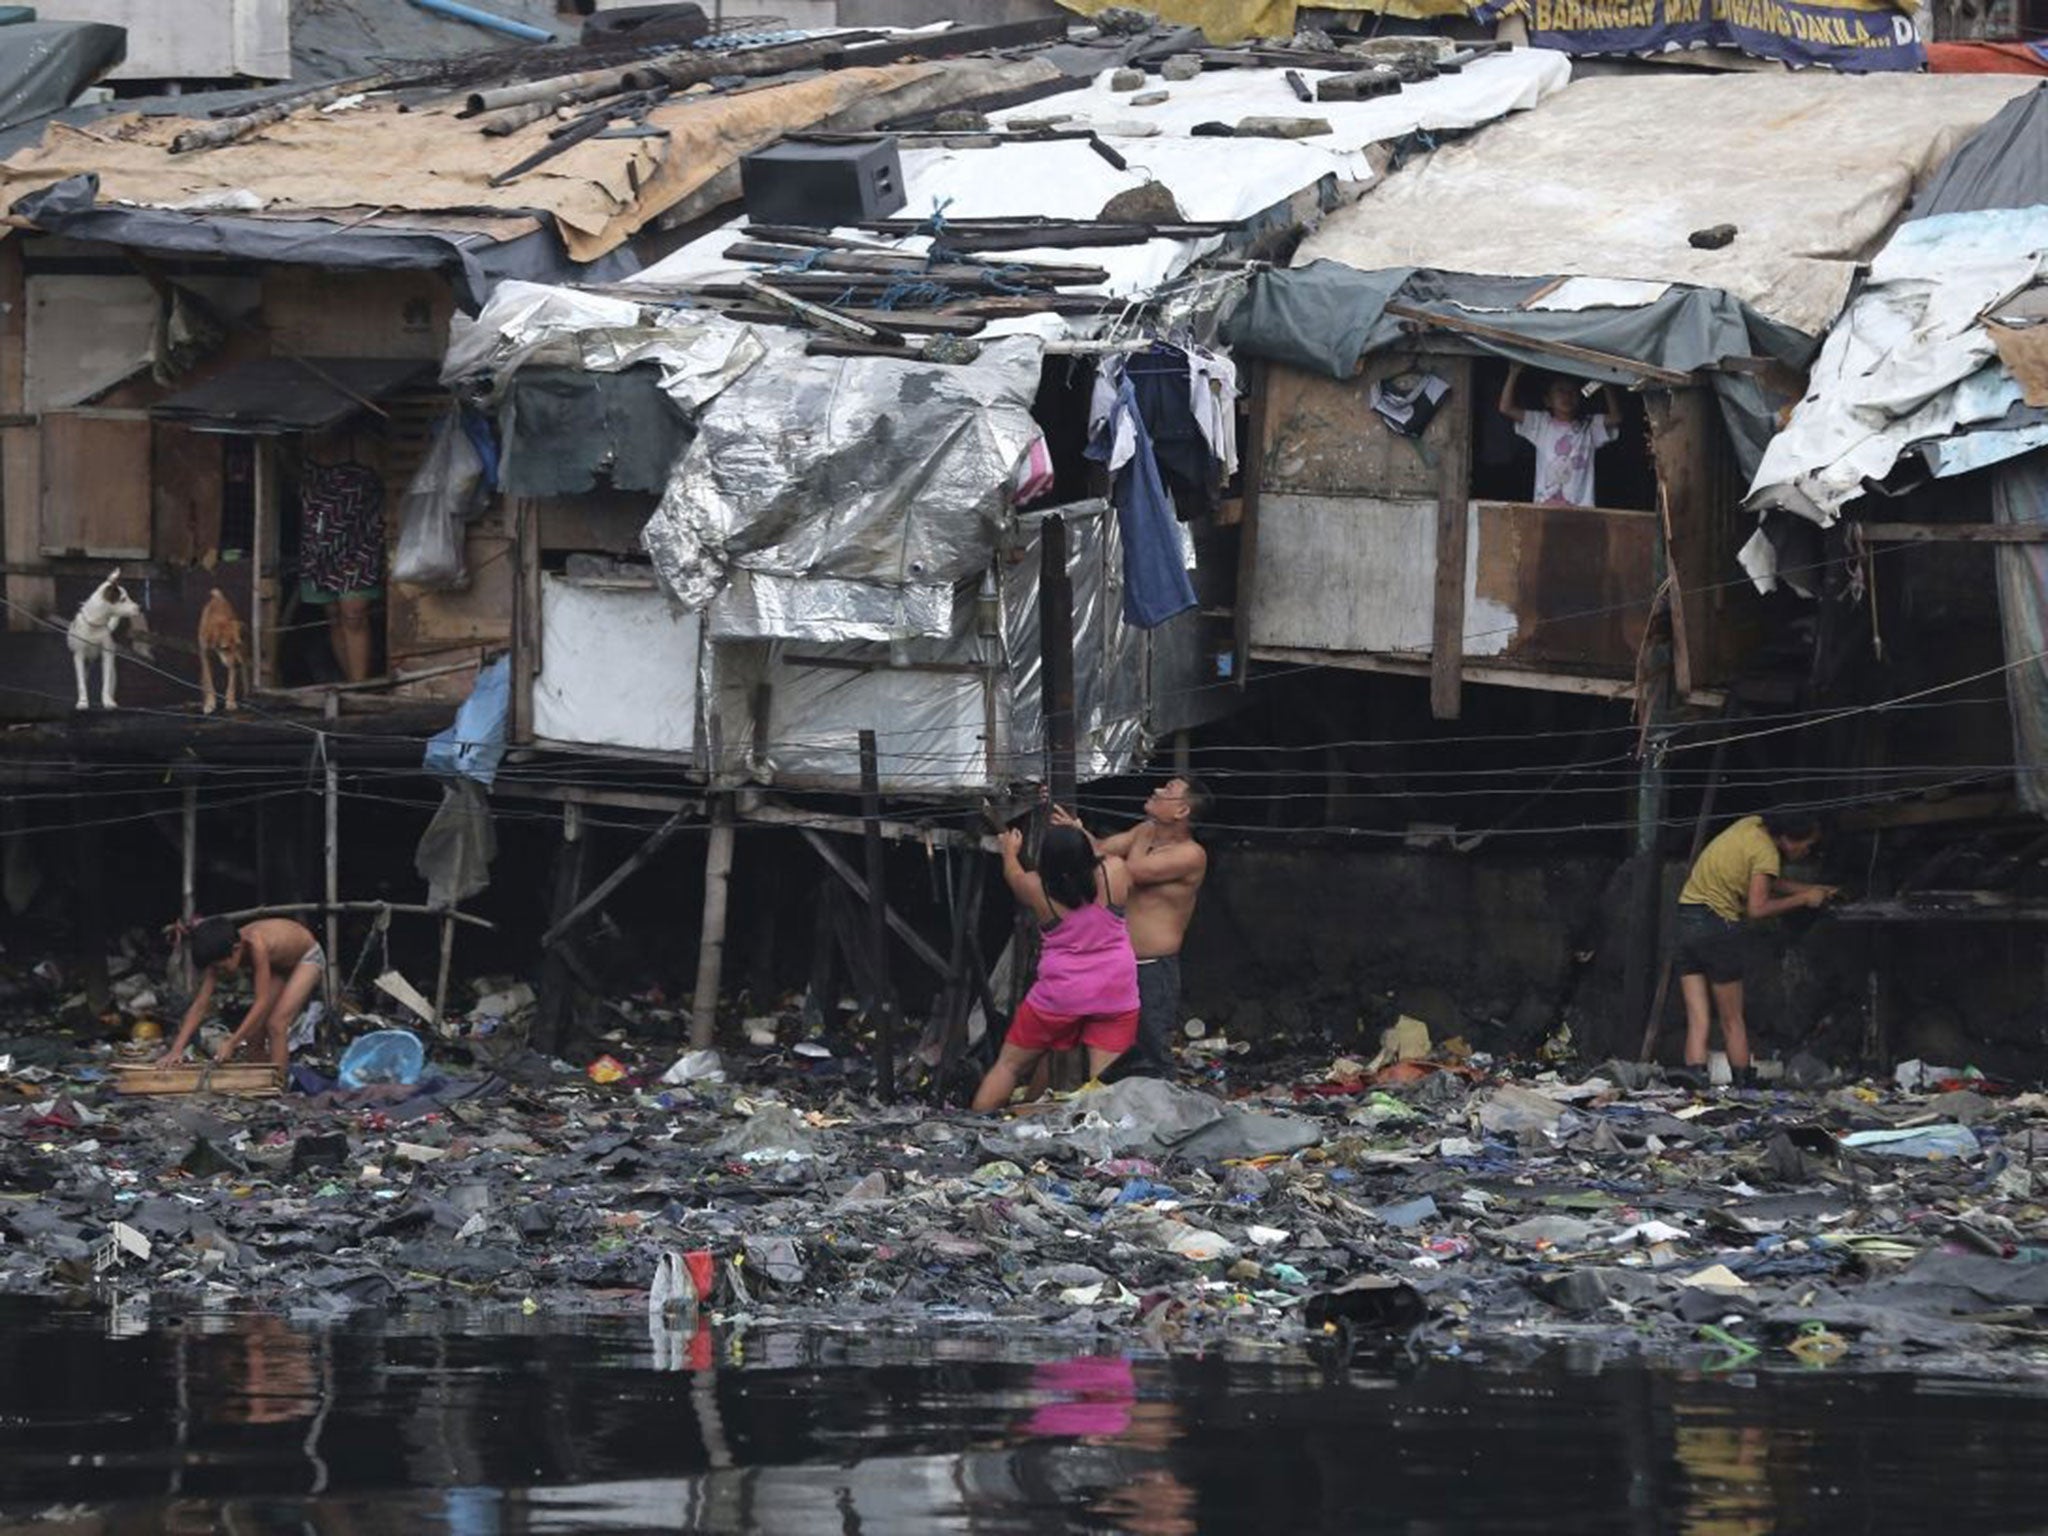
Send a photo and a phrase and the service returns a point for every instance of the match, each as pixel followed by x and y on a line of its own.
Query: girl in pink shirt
pixel 1087 987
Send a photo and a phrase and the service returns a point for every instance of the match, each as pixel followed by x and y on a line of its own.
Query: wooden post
pixel 1253 459
pixel 1699 841
pixel 711 943
pixel 188 879
pixel 960 988
pixel 556 974
pixel 884 1000
pixel 1643 925
pixel 441 977
pixel 1056 660
pixel 526 601
pixel 259 534
pixel 1453 517
pixel 333 857
pixel 90 912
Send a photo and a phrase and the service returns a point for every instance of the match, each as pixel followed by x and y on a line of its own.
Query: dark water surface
pixel 475 1426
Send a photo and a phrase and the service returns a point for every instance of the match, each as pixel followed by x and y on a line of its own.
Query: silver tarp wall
pixel 839 499
pixel 1109 655
pixel 951 714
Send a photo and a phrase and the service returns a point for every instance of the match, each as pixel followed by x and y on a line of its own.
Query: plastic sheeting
pixel 892 473
pixel 2004 164
pixel 568 431
pixel 45 64
pixel 698 353
pixel 455 852
pixel 475 262
pixel 474 746
pixel 2019 496
pixel 1909 363
pixel 1326 317
pixel 446 492
pixel 1066 179
pixel 1811 168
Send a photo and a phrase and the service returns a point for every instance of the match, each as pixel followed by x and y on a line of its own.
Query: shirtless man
pixel 285 961
pixel 1166 867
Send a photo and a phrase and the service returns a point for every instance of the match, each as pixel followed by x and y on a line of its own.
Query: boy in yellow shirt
pixel 1734 883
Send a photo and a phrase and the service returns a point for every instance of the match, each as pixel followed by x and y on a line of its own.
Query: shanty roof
pixel 1940 358
pixel 271 395
pixel 1615 175
pixel 1052 167
pixel 662 153
pixel 45 64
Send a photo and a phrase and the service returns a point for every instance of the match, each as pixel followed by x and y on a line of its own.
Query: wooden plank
pixel 1514 340
pixel 1504 677
pixel 618 799
pixel 1343 573
pixel 883 1003
pixel 96 485
pixel 236 1079
pixel 910 936
pixel 611 882
pixel 1955 533
pixel 1253 484
pixel 525 616
pixel 769 813
pixel 1321 435
pixel 1453 522
pixel 1574 584
pixel 1927 813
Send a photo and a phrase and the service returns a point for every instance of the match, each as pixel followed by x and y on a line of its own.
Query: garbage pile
pixel 1426 1197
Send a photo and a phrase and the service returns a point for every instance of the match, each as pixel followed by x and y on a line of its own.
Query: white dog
pixel 93 632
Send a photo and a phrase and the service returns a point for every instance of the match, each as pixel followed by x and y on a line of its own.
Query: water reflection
pixel 486 1427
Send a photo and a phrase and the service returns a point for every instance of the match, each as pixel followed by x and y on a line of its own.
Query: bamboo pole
pixel 711 942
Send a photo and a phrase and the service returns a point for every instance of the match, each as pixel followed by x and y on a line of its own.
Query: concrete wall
pixel 1302 946
pixel 1287 939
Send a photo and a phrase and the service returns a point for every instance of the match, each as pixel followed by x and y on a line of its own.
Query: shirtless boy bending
pixel 283 959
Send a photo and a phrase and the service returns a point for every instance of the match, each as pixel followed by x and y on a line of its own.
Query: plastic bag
pixel 474 746
pixel 383 1056
pixel 443 496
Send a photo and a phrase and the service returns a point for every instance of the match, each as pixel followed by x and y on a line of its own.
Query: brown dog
pixel 223 637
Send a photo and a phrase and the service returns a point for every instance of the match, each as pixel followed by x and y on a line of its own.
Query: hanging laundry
pixel 1034 478
pixel 1160 382
pixel 1156 585
pixel 1408 402
pixel 1212 393
pixel 341 531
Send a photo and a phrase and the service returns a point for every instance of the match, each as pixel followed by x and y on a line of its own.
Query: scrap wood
pixel 239 1079
pixel 880 336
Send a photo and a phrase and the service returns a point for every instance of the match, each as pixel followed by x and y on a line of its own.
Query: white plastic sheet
pixel 1908 363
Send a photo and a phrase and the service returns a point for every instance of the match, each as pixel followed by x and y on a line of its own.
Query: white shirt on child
pixel 1564 455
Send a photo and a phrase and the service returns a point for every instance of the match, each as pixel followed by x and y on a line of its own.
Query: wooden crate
pixel 240 1079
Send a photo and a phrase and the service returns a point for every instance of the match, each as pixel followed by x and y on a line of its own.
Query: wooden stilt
pixel 912 939
pixel 558 967
pixel 618 877
pixel 1699 840
pixel 188 878
pixel 960 989
pixel 90 913
pixel 711 942
pixel 332 836
pixel 884 1000
pixel 441 977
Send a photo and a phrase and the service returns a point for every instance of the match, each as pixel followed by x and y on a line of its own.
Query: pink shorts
pixel 1031 1030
